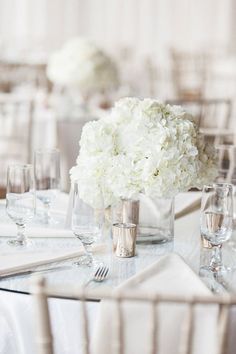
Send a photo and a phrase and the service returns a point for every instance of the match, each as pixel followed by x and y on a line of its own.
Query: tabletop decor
pixel 144 150
pixel 124 239
pixel 82 69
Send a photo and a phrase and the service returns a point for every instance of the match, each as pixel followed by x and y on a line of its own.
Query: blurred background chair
pixel 16 119
pixel 15 74
pixel 212 116
pixel 189 73
pixel 68 135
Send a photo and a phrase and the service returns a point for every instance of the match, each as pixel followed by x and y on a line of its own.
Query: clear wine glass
pixel 47 178
pixel 86 225
pixel 216 222
pixel 20 199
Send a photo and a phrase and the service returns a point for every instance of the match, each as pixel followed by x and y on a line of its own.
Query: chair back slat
pixel 154 328
pixel 44 339
pixel 118 341
pixel 16 122
pixel 187 332
pixel 85 329
pixel 223 326
pixel 119 302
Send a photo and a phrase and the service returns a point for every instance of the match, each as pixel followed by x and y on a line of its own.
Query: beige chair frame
pixel 44 339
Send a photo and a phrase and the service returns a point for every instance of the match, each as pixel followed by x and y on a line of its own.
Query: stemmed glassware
pixel 47 178
pixel 86 225
pixel 20 199
pixel 216 222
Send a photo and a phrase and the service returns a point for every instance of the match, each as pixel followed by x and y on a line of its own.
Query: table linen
pixel 169 275
pixel 65 312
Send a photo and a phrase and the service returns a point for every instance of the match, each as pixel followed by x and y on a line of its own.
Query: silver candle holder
pixel 124 239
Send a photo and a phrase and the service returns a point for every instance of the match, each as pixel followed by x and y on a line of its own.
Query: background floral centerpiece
pixel 145 147
pixel 82 68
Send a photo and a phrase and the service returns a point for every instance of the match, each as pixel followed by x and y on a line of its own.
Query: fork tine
pixel 105 274
pixel 102 273
pixel 97 271
pixel 101 270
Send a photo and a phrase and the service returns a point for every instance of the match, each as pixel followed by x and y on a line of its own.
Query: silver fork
pixel 99 275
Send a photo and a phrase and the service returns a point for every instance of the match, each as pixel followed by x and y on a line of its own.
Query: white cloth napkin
pixel 35 229
pixel 186 203
pixel 170 275
pixel 20 261
pixel 8 229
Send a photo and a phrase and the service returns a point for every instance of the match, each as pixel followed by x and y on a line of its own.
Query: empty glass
pixel 86 225
pixel 47 178
pixel 216 221
pixel 20 199
pixel 227 170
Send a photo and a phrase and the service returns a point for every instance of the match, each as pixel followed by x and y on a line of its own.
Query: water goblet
pixel 86 225
pixel 216 222
pixel 20 199
pixel 47 178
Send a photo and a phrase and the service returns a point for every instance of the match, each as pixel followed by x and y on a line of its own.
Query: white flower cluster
pixel 81 64
pixel 144 146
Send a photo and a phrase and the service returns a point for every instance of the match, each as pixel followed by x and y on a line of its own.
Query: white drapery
pixel 148 26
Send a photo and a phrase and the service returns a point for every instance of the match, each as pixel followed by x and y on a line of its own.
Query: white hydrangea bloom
pixel 143 147
pixel 81 64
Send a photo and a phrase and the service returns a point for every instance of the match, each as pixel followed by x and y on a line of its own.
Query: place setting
pixel 118 177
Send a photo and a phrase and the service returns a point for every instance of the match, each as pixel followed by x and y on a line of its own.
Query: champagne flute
pixel 47 178
pixel 86 225
pixel 20 199
pixel 216 222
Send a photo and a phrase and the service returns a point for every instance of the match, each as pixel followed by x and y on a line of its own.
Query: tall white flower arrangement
pixel 80 64
pixel 144 146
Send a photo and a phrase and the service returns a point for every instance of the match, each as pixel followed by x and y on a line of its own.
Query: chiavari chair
pixel 16 119
pixel 14 74
pixel 189 73
pixel 68 133
pixel 44 338
pixel 212 116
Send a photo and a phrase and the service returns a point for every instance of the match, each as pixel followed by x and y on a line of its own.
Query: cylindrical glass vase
pixel 154 217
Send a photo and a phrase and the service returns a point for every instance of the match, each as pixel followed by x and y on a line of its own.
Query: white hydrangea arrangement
pixel 82 65
pixel 144 146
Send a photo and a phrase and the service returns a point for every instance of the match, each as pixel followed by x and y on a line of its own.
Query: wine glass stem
pixel 88 251
pixel 216 258
pixel 47 212
pixel 20 232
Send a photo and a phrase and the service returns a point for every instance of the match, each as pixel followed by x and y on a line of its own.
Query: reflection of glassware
pixel 86 225
pixel 216 221
pixel 20 199
pixel 227 168
pixel 223 154
pixel 47 178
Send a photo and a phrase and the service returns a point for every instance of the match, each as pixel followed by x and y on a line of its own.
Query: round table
pixel 16 306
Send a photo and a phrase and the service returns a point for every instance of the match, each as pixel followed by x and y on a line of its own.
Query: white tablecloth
pixel 16 316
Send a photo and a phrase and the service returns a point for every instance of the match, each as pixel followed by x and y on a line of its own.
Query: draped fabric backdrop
pixel 148 26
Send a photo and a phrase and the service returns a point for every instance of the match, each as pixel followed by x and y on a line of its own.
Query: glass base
pixel 19 243
pixel 41 220
pixel 153 235
pixel 85 260
pixel 214 270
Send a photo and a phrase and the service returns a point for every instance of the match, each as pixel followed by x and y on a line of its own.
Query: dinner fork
pixel 99 275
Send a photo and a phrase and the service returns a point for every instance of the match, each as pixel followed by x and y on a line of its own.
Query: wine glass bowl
pixel 86 225
pixel 218 227
pixel 20 199
pixel 47 178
